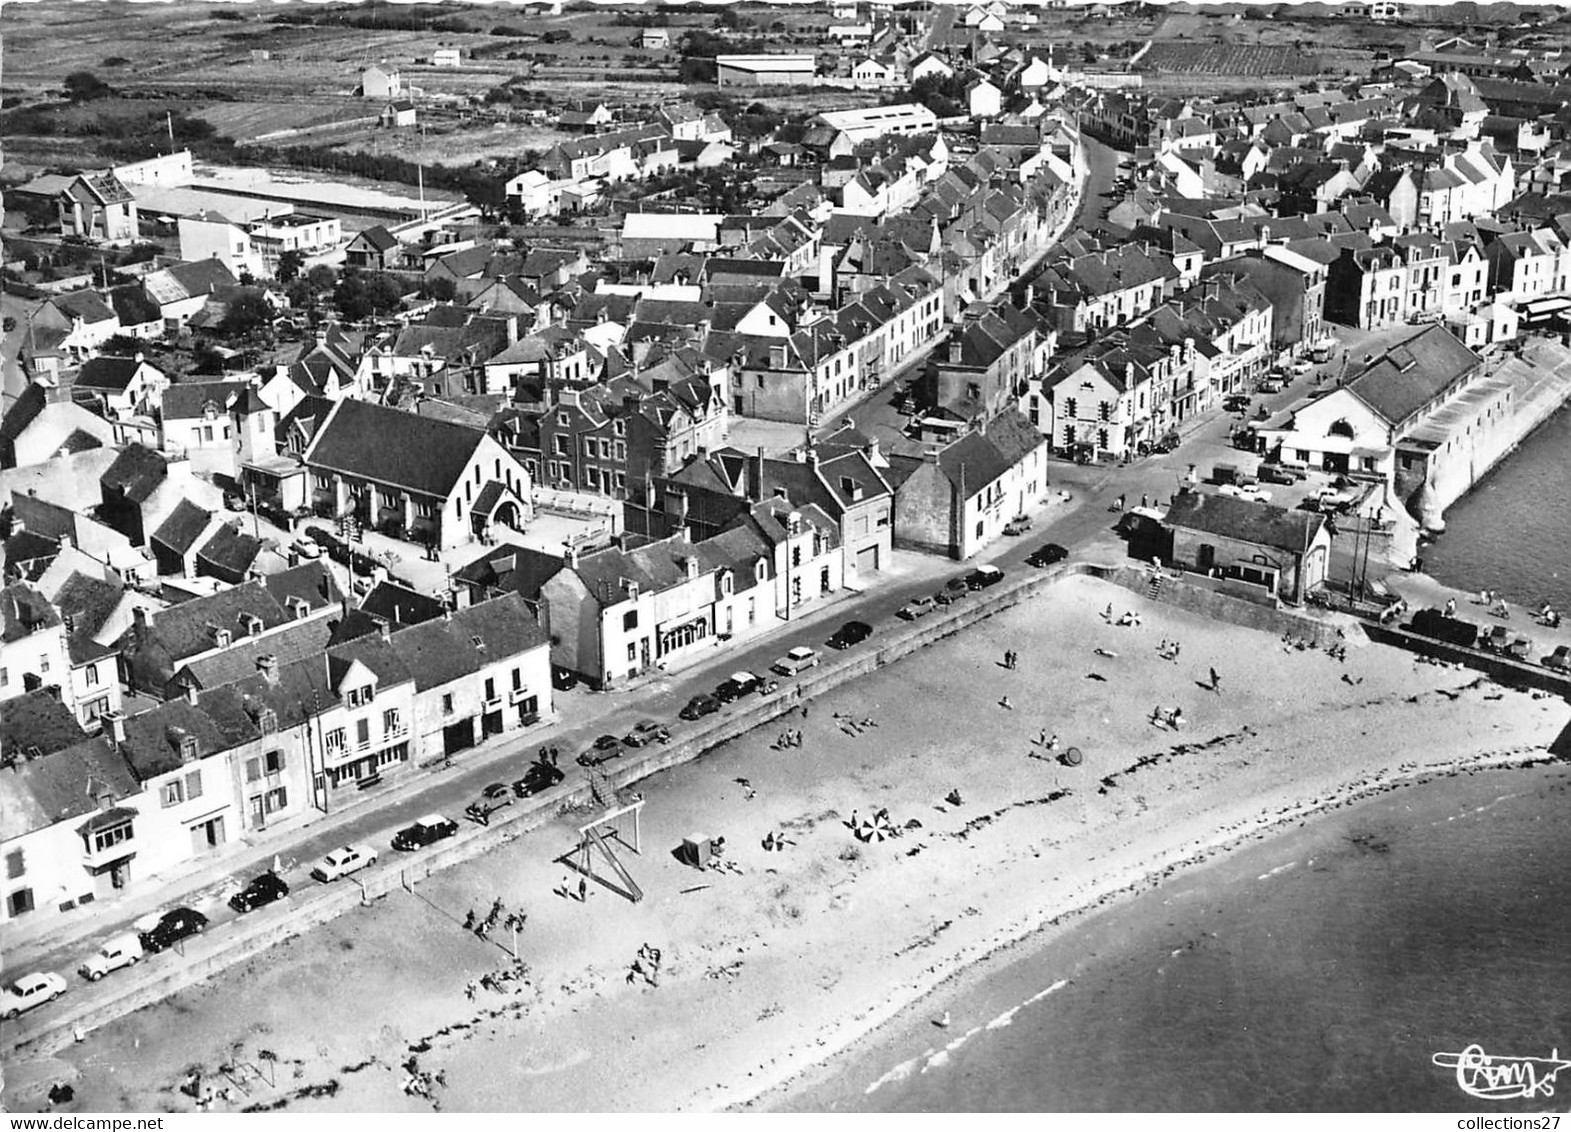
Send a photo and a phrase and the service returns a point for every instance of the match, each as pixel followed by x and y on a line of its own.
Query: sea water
pixel 1320 969
pixel 1512 532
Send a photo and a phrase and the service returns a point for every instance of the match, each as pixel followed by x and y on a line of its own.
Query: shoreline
pixel 796 1079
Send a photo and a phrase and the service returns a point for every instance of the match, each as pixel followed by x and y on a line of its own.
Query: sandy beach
pixel 786 956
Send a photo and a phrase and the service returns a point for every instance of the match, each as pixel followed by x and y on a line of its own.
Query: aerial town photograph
pixel 843 556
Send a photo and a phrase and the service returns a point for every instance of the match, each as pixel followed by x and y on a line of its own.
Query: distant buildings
pixel 765 70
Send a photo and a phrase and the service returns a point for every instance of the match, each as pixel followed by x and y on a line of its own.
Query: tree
pixel 440 288
pixel 8 325
pixel 84 86
pixel 290 264
pixel 359 295
pixel 322 277
pixel 248 312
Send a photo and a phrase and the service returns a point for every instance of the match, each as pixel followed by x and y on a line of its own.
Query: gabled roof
pixel 108 372
pixel 183 527
pixel 189 400
pixel 1262 524
pixel 136 473
pixel 440 651
pixel 230 550
pixel 1413 373
pixel 88 305
pixel 387 446
pixel 39 792
pixel 378 238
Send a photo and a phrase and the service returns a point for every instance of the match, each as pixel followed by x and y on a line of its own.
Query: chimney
pixel 115 722
pixel 570 555
pixel 955 347
pixel 267 665
pixel 387 626
pixel 685 534
pixel 447 614
pixel 190 694
pixel 139 617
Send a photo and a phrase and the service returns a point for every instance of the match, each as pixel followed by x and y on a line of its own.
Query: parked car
pixel 429 829
pixel 916 607
pixel 1253 492
pixel 263 889
pixel 1047 554
pixel 342 862
pixel 1019 525
pixel 1270 384
pixel 984 576
pixel 647 731
pixel 699 706
pixel 735 686
pixel 1560 659
pixel 563 679
pixel 27 991
pixel 172 927
pixel 953 591
pixel 307 548
pixel 1236 403
pixel 121 951
pixel 851 633
pixel 491 799
pixel 795 661
pixel 1277 473
pixel 539 778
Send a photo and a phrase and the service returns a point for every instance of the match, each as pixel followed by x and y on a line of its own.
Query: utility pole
pixel 169 122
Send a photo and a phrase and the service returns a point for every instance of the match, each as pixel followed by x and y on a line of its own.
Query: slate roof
pixel 440 651
pixel 295 641
pixel 85 604
pixel 1245 520
pixel 400 605
pixel 230 550
pixel 183 527
pixel 107 372
pixel 37 793
pixel 23 611
pixel 387 446
pixel 188 400
pixel 88 305
pixel 379 238
pixel 1413 373
pixel 37 723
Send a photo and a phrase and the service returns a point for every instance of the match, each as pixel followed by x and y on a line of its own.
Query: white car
pixel 342 862
pixel 28 991
pixel 1252 492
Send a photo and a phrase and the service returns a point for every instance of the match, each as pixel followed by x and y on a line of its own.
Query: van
pixel 121 951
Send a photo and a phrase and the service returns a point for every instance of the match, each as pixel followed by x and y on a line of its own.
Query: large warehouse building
pixel 765 70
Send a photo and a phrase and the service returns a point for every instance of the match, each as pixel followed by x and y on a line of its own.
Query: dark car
pixel 699 706
pixel 537 779
pixel 851 633
pixel 262 890
pixel 1236 403
pixel 1277 473
pixel 605 748
pixel 431 828
pixel 491 799
pixel 647 731
pixel 953 591
pixel 735 686
pixel 984 576
pixel 1046 555
pixel 174 926
pixel 563 678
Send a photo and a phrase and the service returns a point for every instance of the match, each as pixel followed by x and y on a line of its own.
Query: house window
pixel 92 675
pixel 253 769
pixel 43 662
pixel 1069 407
pixel 19 902
pixel 15 864
pixel 188 748
pixel 490 688
pixel 632 654
pixel 630 620
pixel 273 762
pixel 109 838
pixel 172 793
pixel 619 427
pixel 193 784
pixel 362 733
pixel 518 679
pixel 267 720
pixel 334 741
pixel 559 445
pixel 275 799
pixel 391 723
pixel 447 703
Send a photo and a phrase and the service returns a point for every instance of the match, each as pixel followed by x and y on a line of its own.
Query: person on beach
pixel 1144 502
pixel 1158 716
pixel 1005 704
pixel 1176 720
pixel 1107 614
pixel 583 890
pixel 1216 682
pixel 1451 607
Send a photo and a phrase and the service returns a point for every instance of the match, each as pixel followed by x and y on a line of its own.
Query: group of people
pixel 1011 659
pixel 1170 650
pixel 482 927
pixel 853 726
pixel 645 966
pixel 1171 719
pixel 878 827
pixel 774 842
pixel 790 737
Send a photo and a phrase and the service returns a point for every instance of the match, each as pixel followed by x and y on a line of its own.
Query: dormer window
pixel 619 427
pixel 188 748
pixel 478 641
pixel 725 583
pixel 221 638
pixel 267 720
pixel 252 624
pixel 299 607
pixel 760 569
pixel 562 420
pixel 359 697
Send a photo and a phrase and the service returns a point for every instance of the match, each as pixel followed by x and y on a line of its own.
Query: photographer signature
pixel 1493 1077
